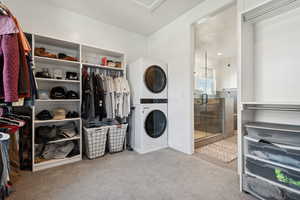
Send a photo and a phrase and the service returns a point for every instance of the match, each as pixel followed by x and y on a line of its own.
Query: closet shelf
pixel 55 162
pixel 274 127
pixel 102 67
pixel 54 121
pixel 64 140
pixel 274 103
pixel 273 183
pixel 58 100
pixel 55 61
pixel 56 80
pixel 273 163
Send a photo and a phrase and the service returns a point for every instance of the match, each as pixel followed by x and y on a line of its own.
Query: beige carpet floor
pixel 161 175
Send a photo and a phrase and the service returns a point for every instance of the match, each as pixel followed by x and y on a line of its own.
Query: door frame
pixel 192 57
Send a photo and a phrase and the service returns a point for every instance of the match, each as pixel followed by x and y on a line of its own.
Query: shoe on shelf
pixel 66 57
pixel 43 53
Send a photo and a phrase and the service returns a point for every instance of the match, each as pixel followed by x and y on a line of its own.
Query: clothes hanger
pixel 4 136
pixel 3 9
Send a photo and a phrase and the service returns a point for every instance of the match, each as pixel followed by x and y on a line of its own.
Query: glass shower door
pixel 208 107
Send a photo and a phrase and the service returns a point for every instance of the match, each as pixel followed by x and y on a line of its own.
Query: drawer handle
pixel 265 142
pixel 271 144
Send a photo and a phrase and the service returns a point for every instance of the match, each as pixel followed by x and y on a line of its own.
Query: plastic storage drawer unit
pixel 267 191
pixel 286 155
pixel 287 177
pixel 274 133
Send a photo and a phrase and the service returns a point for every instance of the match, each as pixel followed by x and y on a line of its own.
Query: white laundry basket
pixel 116 137
pixel 95 141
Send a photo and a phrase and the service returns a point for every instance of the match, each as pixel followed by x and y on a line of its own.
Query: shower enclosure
pixel 208 105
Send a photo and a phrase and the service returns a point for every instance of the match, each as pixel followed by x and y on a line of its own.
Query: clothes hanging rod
pixel 272 108
pixel 103 67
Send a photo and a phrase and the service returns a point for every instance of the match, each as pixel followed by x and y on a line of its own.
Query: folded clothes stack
pixel 56 151
pixel 45 148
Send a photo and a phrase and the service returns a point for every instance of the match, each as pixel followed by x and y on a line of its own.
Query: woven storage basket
pixel 95 141
pixel 116 137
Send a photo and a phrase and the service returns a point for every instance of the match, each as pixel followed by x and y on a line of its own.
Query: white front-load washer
pixel 150 126
pixel 148 79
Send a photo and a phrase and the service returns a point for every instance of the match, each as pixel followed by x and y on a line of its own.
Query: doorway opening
pixel 215 87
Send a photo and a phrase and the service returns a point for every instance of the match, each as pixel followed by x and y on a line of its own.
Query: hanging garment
pixel 110 97
pixel 99 97
pixel 126 97
pixel 7 25
pixel 24 77
pixel 118 97
pixel 122 97
pixel 88 106
pixel 86 91
pixel 22 38
pixel 10 66
pixel 33 87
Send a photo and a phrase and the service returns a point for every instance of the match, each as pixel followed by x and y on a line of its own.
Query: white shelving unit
pixel 269 86
pixel 57 80
pixel 54 121
pixel 87 57
pixel 56 61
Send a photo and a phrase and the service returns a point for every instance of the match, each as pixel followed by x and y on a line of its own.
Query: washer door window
pixel 155 124
pixel 155 79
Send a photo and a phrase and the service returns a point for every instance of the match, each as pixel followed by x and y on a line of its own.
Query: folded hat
pixel 73 114
pixel 43 74
pixel 58 93
pixel 59 114
pixel 43 94
pixel 72 95
pixel 44 115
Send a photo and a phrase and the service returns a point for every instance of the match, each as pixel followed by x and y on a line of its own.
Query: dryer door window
pixel 155 123
pixel 155 79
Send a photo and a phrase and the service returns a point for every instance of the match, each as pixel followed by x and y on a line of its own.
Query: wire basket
pixel 95 141
pixel 116 137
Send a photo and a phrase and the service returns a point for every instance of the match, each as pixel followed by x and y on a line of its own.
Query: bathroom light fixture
pixel 219 54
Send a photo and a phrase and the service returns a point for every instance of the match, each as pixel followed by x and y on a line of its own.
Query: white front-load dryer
pixel 150 126
pixel 148 79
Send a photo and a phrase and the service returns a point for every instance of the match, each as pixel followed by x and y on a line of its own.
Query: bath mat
pixel 224 150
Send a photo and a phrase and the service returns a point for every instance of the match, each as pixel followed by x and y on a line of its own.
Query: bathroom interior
pixel 215 85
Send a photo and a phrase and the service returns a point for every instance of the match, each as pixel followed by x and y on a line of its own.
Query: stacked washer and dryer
pixel 149 85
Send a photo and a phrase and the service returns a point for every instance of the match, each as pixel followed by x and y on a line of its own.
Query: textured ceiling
pixel 140 16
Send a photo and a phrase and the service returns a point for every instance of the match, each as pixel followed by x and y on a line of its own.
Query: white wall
pixel 226 77
pixel 173 44
pixel 39 17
